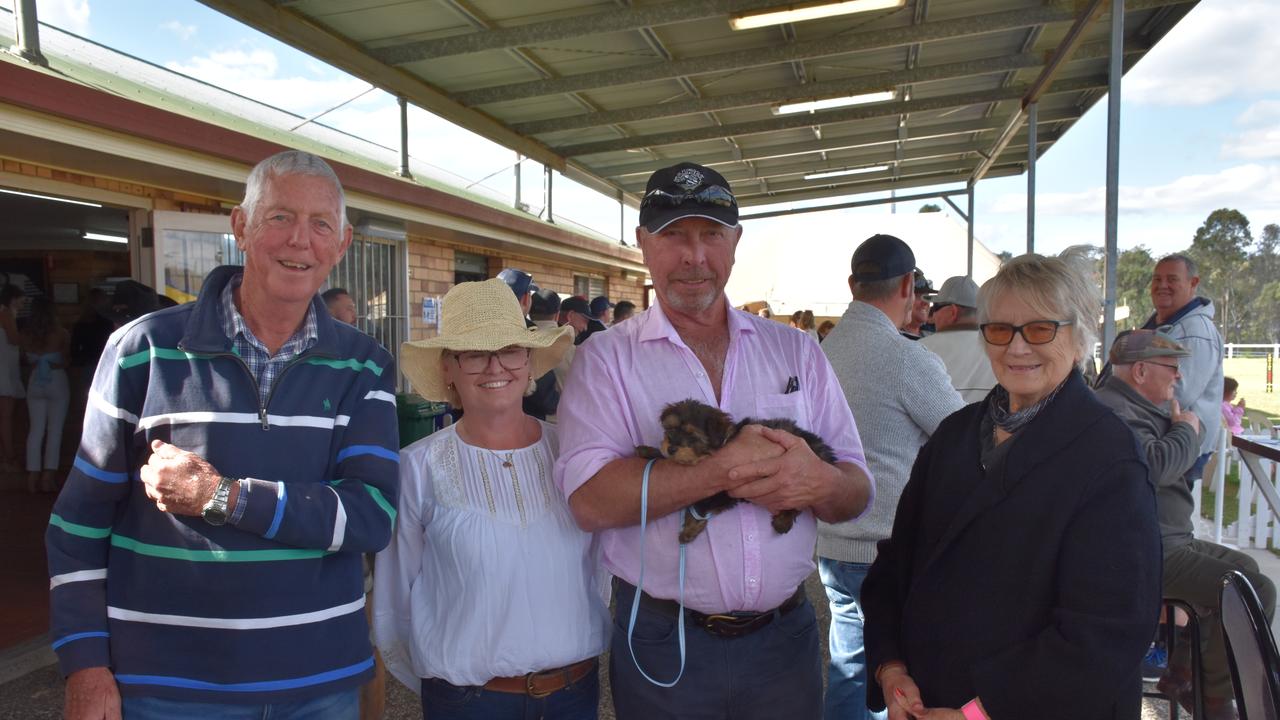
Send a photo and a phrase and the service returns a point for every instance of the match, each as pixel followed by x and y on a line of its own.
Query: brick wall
pixel 163 199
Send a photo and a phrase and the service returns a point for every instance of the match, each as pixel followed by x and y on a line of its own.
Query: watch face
pixel 215 516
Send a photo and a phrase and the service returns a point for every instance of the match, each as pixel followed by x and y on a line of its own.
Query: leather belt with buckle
pixel 727 625
pixel 542 684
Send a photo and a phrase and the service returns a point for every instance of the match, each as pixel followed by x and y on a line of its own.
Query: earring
pixel 449 387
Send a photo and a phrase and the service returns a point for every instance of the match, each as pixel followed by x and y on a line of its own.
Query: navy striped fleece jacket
pixel 272 609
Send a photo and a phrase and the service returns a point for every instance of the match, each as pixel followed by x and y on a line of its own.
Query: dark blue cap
pixel 599 304
pixel 518 280
pixel 881 257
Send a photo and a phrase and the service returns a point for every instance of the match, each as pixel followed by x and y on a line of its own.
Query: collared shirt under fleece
pixel 270 609
pixel 899 392
pixel 618 386
pixel 1200 387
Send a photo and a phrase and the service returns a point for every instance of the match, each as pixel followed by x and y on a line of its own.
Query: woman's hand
pixel 901 695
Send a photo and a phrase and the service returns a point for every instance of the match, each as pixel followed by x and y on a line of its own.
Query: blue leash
pixel 635 599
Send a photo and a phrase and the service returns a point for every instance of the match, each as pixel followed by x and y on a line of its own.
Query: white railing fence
pixel 1258 499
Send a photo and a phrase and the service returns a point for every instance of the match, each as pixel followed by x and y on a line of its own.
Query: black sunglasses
pixel 709 195
pixel 938 306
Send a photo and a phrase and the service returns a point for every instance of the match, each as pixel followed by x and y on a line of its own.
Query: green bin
pixel 418 417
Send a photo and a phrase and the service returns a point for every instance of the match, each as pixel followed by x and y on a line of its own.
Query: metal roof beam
pixel 878 157
pixel 831 88
pixel 546 31
pixel 908 170
pixel 785 53
pixel 829 143
pixel 824 118
pixel 942 178
pixel 944 194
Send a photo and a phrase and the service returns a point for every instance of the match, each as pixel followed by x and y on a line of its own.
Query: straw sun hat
pixel 479 316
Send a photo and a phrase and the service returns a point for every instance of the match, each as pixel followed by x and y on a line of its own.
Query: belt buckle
pixel 529 689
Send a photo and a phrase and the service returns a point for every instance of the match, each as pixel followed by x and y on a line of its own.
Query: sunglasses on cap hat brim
pixel 710 195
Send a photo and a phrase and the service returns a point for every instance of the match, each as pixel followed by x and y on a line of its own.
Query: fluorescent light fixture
pixel 846 171
pixel 105 238
pixel 49 197
pixel 828 103
pixel 799 12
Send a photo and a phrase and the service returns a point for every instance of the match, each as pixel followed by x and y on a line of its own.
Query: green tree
pixel 1220 247
pixel 930 207
pixel 1005 256
pixel 1133 285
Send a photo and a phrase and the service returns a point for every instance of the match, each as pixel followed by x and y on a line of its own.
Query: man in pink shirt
pixel 752 640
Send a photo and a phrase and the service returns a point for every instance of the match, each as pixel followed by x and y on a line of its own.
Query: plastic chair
pixel 1256 422
pixel 1173 612
pixel 1251 650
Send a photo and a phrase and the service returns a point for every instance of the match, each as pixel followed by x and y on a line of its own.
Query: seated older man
pixel 1140 390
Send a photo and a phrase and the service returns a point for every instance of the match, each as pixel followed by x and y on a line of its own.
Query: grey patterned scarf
pixel 1012 422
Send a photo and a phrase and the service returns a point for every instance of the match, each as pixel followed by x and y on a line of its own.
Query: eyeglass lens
pixel 1035 333
pixel 474 363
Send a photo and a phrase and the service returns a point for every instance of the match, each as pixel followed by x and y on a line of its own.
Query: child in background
pixel 1232 413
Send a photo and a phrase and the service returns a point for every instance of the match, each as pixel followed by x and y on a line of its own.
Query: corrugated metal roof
pixel 607 90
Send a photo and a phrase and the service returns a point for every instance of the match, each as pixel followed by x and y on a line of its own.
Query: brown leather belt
pixel 542 684
pixel 727 625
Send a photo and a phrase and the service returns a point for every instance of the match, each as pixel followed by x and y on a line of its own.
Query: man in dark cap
pixel 576 312
pixel 743 576
pixel 600 307
pixel 521 283
pixel 1141 390
pixel 546 394
pixel 918 324
pixel 899 392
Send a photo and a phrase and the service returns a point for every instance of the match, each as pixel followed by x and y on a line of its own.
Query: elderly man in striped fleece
pixel 239 454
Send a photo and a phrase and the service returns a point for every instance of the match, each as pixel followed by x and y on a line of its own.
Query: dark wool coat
pixel 1036 589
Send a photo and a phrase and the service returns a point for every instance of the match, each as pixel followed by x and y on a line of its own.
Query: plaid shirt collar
pixel 264 366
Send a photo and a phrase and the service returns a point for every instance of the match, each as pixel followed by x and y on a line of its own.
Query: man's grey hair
pixel 1192 269
pixel 290 162
pixel 1060 287
pixel 876 290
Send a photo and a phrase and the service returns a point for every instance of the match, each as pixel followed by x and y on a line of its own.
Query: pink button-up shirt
pixel 617 387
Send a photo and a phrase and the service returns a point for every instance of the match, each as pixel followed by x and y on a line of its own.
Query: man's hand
pixel 795 480
pixel 1177 414
pixel 751 445
pixel 91 695
pixel 179 482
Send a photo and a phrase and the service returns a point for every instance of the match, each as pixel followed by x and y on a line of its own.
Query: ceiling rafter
pixel 957 174
pixel 825 118
pixel 536 33
pixel 792 93
pixel 756 57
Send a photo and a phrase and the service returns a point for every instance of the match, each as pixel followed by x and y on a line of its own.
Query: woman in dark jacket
pixel 1022 577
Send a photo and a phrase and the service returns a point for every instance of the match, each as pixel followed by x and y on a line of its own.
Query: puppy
pixel 692 430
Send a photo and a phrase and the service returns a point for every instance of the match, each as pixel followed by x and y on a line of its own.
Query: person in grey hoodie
pixel 1146 368
pixel 899 392
pixel 1183 316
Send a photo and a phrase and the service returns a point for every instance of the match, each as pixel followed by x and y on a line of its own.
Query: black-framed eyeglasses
pixel 709 195
pixel 1036 332
pixel 938 306
pixel 1173 367
pixel 475 362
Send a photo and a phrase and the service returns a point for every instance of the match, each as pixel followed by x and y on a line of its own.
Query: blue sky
pixel 1200 128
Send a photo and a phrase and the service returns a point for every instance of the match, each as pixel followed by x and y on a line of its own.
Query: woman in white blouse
pixel 489 597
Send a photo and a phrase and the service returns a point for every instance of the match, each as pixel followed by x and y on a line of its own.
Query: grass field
pixel 1251 373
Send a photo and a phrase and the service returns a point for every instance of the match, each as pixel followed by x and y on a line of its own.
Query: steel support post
pixel 546 192
pixel 404 137
pixel 1032 118
pixel 1113 175
pixel 622 220
pixel 519 200
pixel 969 272
pixel 27 33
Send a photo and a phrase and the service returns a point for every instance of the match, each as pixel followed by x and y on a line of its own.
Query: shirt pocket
pixel 788 406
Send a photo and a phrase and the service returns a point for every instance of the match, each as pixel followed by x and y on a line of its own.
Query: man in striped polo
pixel 239 454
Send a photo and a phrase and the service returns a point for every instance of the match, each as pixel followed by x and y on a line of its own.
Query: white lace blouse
pixel 487 574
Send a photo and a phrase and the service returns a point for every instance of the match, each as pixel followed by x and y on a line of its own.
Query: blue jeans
pixel 774 672
pixel 443 701
pixel 847 673
pixel 343 705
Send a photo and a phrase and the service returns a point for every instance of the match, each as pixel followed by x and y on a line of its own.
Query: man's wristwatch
pixel 215 511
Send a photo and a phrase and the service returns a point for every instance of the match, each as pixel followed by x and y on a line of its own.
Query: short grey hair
pixel 290 162
pixel 1062 287
pixel 1192 269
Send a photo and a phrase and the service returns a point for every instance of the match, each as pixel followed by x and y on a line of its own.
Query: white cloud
pixel 70 15
pixel 182 31
pixel 255 74
pixel 1261 137
pixel 1244 186
pixel 1222 48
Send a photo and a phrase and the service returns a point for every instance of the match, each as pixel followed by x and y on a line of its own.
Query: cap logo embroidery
pixel 688 178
